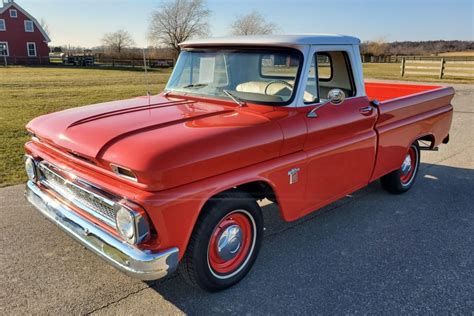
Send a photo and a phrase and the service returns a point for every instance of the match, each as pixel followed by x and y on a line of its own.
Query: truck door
pixel 341 140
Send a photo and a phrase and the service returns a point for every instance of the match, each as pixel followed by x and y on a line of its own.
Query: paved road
pixel 369 253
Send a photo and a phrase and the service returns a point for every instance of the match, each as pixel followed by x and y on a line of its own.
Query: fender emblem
pixel 293 175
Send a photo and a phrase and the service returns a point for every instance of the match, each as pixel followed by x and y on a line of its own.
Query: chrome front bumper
pixel 140 264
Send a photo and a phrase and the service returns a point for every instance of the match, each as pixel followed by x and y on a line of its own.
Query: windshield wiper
pixel 195 85
pixel 240 102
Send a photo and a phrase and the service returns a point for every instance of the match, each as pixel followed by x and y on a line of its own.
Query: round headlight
pixel 30 167
pixel 125 221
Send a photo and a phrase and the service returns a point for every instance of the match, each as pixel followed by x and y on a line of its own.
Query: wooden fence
pixel 440 68
pixel 398 58
pixel 133 62
pixel 86 60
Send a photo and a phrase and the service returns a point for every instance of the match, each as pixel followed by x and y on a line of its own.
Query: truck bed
pixel 406 113
pixel 389 91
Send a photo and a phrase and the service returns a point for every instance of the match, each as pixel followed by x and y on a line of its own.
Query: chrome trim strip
pixel 140 264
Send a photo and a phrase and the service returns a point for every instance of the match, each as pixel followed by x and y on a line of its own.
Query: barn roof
pixel 19 8
pixel 274 40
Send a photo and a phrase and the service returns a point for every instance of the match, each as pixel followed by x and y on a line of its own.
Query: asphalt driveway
pixel 371 252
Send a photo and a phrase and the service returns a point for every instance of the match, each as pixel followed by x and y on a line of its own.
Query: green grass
pixel 27 92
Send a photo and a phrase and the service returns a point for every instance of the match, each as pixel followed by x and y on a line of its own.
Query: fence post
pixel 402 67
pixel 441 68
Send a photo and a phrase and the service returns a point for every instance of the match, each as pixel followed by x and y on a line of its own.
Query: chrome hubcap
pixel 229 242
pixel 406 165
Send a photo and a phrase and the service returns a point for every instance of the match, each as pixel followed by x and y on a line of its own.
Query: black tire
pixel 394 182
pixel 195 267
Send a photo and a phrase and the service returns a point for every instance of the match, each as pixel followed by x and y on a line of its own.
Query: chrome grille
pixel 79 193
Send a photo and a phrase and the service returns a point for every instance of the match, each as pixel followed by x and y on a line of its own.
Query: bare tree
pixel 252 24
pixel 176 21
pixel 377 47
pixel 45 27
pixel 118 40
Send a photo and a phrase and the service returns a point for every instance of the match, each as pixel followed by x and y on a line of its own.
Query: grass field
pixel 27 92
pixel 468 53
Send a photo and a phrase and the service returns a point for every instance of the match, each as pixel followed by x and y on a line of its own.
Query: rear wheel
pixel 225 242
pixel 401 180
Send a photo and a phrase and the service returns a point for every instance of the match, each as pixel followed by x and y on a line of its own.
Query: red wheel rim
pixel 219 264
pixel 409 162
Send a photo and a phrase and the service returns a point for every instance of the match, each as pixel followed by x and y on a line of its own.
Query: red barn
pixel 22 39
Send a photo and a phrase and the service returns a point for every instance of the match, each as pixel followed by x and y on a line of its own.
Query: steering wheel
pixel 289 85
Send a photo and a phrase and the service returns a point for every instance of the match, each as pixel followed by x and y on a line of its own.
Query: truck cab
pixel 168 181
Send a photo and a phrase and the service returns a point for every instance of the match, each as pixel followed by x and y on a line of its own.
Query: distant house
pixel 22 39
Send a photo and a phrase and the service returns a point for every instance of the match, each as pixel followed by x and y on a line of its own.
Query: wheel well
pixel 428 138
pixel 257 189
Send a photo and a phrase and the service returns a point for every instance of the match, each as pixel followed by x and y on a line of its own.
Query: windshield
pixel 259 76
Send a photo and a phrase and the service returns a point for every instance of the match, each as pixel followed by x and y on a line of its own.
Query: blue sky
pixel 83 23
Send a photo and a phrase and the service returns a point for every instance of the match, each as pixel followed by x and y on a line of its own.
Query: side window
pixel 324 67
pixel 3 49
pixel 329 70
pixel 29 26
pixel 31 49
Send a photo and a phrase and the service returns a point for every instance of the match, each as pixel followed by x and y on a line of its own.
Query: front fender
pixel 174 212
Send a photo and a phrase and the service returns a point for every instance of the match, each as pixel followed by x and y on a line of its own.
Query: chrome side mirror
pixel 335 96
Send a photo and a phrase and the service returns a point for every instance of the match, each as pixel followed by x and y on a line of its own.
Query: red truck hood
pixel 87 130
pixel 167 142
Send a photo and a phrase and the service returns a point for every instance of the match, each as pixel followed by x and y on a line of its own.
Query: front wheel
pixel 401 180
pixel 225 242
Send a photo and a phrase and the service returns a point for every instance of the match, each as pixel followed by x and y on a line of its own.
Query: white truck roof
pixel 274 40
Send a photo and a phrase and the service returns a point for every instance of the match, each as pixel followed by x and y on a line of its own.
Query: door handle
pixel 366 110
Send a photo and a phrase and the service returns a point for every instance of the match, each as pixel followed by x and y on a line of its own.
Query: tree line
pixel 380 47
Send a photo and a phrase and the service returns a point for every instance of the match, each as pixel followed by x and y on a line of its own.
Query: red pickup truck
pixel 172 180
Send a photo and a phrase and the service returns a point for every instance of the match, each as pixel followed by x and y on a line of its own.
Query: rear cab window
pixel 275 66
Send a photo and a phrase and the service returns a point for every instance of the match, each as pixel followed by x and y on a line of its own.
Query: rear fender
pixel 396 138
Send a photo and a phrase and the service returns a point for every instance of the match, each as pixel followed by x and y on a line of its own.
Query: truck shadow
pixel 369 251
